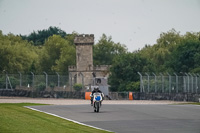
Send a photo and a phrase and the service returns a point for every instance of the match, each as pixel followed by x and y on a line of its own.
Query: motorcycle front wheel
pixel 97 106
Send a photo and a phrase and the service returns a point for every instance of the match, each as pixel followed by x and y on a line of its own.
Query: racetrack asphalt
pixel 133 118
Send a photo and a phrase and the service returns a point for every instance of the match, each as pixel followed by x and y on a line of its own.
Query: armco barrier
pixel 43 94
pixel 191 97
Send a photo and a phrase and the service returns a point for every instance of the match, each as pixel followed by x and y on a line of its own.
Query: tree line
pixel 171 53
pixel 52 50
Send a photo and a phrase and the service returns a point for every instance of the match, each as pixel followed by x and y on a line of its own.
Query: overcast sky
pixel 130 22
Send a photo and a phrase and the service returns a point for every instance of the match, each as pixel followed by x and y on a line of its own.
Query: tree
pixel 187 55
pixel 105 50
pixel 160 53
pixel 124 71
pixel 16 54
pixel 57 54
pixel 174 52
pixel 67 58
pixel 39 37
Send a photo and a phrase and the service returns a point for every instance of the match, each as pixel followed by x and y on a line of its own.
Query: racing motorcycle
pixel 97 99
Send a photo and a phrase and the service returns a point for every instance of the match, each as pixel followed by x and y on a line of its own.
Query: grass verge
pixel 15 118
pixel 194 103
pixel 191 103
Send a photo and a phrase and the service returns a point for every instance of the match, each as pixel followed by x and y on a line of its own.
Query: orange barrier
pixel 130 95
pixel 87 95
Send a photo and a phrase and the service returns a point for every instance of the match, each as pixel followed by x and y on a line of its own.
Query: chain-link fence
pixel 161 86
pixel 188 83
pixel 41 82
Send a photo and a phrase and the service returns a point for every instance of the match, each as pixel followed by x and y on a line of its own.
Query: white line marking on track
pixel 67 119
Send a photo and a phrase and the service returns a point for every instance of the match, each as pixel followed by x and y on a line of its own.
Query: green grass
pixel 15 118
pixel 192 103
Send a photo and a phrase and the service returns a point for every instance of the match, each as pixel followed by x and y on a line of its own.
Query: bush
pixel 3 82
pixel 52 85
pixel 77 87
pixel 14 82
pixel 133 86
pixel 41 86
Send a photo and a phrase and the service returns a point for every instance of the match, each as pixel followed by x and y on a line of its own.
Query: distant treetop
pixel 39 37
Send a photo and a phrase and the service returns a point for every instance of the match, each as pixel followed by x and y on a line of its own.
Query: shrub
pixel 2 82
pixel 41 86
pixel 77 87
pixel 52 85
pixel 14 82
pixel 133 86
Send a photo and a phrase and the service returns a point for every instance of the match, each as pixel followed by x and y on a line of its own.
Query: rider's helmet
pixel 96 88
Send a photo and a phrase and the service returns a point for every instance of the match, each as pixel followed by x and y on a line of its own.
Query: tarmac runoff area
pixel 122 116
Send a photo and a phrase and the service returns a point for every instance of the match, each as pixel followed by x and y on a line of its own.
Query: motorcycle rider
pixel 96 89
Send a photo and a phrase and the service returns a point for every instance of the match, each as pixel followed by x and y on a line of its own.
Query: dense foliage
pixel 105 50
pixel 124 70
pixel 57 54
pixel 174 52
pixel 18 55
pixel 77 87
pixel 39 37
pixel 52 50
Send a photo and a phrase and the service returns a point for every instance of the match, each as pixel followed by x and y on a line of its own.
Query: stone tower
pixel 84 72
pixel 84 52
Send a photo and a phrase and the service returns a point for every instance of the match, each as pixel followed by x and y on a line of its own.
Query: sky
pixel 133 23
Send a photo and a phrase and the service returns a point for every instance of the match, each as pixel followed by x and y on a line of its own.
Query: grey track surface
pixel 133 118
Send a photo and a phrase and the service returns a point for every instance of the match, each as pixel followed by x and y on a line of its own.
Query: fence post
pixel 176 82
pixel 58 79
pixel 148 81
pixel 162 82
pixel 32 82
pixel 191 82
pixel 170 80
pixel 198 82
pixel 6 78
pixel 46 79
pixel 141 83
pixel 188 88
pixel 185 84
pixel 20 80
pixel 155 83
pixel 32 79
pixel 196 86
pixel 70 76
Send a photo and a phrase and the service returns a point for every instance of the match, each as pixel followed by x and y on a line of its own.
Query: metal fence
pixel 20 81
pixel 188 83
